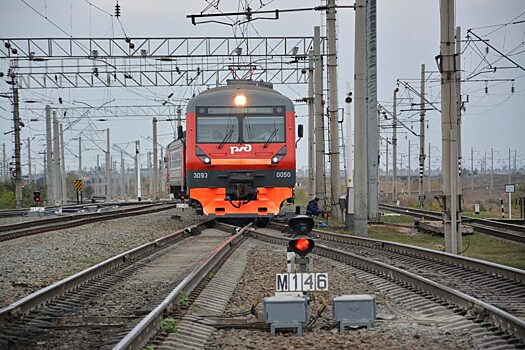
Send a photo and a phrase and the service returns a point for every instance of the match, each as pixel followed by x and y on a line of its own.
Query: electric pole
pixel 472 169
pixel 372 137
pixel 333 109
pixel 491 170
pixel 155 160
pixel 121 174
pixel 16 125
pixel 97 176
pixel 409 179
pixel 360 122
pixel 79 156
pixel 421 194
pixel 311 127
pixel 108 166
pixel 4 163
pixel 137 170
pixel 29 160
pixel 150 182
pixel 56 161
pixel 449 122
pixel 429 182
pixel 394 147
pixel 63 176
pixel 319 122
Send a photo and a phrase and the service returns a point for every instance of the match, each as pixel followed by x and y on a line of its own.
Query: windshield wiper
pixel 226 137
pixel 274 132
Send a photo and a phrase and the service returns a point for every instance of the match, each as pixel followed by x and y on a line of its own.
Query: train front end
pixel 240 154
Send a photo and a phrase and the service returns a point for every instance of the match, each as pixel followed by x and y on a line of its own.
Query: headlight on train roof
pixel 240 100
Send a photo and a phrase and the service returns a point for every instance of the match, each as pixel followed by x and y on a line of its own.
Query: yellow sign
pixel 79 185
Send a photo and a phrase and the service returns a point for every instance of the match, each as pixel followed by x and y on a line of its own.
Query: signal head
pixel 301 224
pixel 302 245
pixel 36 196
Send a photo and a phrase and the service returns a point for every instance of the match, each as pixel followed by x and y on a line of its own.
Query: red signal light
pixel 36 197
pixel 302 245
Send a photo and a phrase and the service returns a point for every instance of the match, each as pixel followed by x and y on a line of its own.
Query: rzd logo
pixel 236 149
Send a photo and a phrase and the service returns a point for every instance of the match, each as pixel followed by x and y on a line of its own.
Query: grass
pixel 477 246
pixel 169 325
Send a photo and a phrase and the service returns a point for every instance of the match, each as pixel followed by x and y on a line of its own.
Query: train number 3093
pixel 283 174
pixel 201 175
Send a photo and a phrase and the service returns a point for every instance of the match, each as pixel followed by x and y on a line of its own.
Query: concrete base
pixel 297 325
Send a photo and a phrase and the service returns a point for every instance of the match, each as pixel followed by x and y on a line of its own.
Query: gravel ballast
pixel 30 263
pixel 395 327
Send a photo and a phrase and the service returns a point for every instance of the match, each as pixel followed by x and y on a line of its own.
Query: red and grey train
pixel 237 157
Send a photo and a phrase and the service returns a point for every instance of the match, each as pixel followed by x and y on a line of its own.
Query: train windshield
pixel 217 129
pixel 233 125
pixel 269 129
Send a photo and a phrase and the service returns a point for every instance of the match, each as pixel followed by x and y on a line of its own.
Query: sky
pixel 407 32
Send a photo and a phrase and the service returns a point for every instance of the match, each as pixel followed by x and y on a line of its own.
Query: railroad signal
pixel 302 243
pixel 36 197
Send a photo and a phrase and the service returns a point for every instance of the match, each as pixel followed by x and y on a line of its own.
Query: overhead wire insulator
pixel 117 10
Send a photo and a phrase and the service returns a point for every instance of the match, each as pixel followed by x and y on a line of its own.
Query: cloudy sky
pixel 408 35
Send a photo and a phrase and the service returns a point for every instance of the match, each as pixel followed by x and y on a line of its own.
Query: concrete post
pixel 422 113
pixel 372 120
pixel 63 176
pixel 333 109
pixel 56 161
pixel 360 115
pixel 155 161
pixel 137 170
pixel 108 166
pixel 449 125
pixel 29 160
pixel 311 127
pixel 394 148
pixel 319 122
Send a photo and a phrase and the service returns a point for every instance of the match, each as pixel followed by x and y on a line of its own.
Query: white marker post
pixel 510 189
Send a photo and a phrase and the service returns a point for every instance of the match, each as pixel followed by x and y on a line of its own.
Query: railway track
pixel 114 304
pixel 27 228
pixel 482 291
pixel 511 232
pixel 97 307
pixel 4 213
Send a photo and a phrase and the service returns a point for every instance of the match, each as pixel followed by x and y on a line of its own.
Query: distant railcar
pixel 175 168
pixel 239 151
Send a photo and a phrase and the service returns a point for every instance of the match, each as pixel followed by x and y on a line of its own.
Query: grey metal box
pixel 286 312
pixel 354 310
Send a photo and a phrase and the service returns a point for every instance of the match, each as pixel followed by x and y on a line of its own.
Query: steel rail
pixel 148 326
pixel 53 219
pixel 56 289
pixel 23 211
pixel 74 221
pixel 512 232
pixel 508 272
pixel 496 316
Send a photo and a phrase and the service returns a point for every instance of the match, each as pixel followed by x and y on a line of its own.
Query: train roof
pixel 258 93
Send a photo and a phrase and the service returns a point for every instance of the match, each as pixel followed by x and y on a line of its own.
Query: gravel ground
pixel 28 264
pixel 395 327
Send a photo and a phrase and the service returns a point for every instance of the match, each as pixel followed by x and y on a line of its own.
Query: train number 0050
pixel 201 175
pixel 283 174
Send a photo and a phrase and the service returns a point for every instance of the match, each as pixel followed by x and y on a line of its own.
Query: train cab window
pixel 269 129
pixel 217 129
